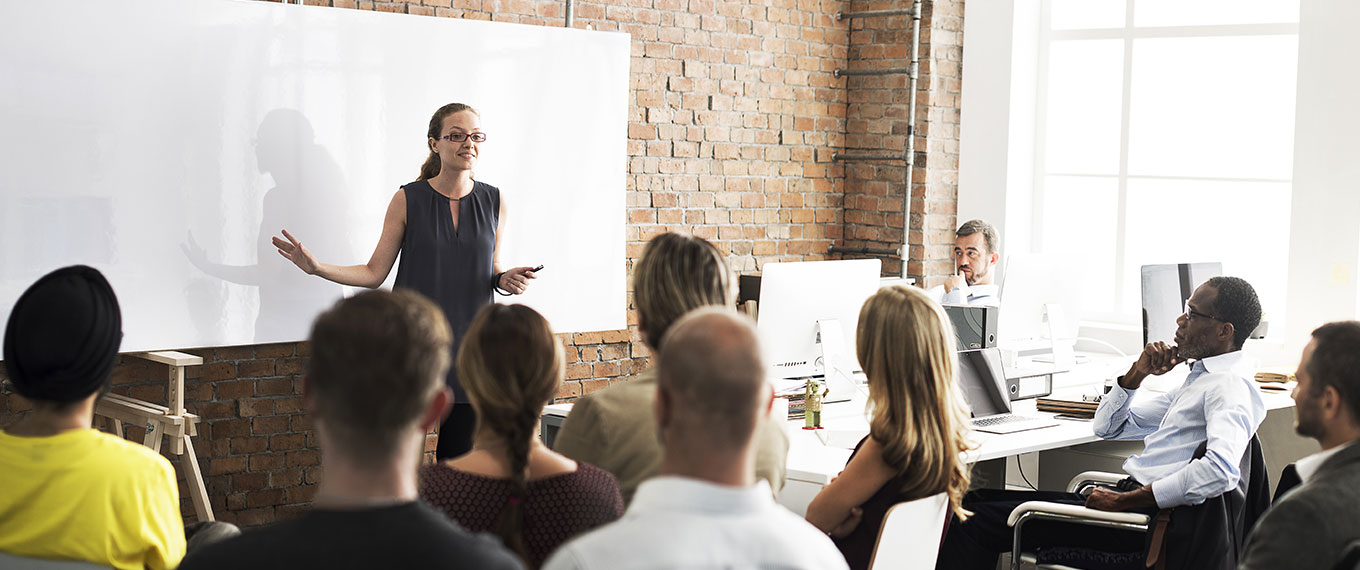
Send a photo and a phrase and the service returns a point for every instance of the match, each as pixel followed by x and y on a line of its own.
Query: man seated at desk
pixel 975 254
pixel 1218 405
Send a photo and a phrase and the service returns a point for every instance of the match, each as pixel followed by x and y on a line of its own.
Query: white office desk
pixel 812 463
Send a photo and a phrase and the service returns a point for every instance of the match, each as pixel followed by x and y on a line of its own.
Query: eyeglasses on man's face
pixel 1191 314
pixel 460 137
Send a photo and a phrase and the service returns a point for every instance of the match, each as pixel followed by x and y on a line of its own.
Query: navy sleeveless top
pixel 452 267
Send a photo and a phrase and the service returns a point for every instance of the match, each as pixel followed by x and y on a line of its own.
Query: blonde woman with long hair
pixel 918 427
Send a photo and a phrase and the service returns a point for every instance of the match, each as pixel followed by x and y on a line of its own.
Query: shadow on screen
pixel 308 198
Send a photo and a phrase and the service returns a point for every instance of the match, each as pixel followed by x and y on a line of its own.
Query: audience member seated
pixel 614 429
pixel 374 388
pixel 918 429
pixel 510 483
pixel 1314 525
pixel 68 491
pixel 1217 406
pixel 975 257
pixel 706 509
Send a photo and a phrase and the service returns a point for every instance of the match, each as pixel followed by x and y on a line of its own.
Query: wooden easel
pixel 164 421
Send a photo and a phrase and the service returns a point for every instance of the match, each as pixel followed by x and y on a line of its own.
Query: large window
pixel 1164 134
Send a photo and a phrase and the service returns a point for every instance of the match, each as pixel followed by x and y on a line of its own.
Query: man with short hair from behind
pixel 68 491
pixel 373 389
pixel 706 509
pixel 614 429
pixel 1312 525
pixel 976 258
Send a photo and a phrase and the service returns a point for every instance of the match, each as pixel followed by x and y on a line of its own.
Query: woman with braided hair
pixel 511 484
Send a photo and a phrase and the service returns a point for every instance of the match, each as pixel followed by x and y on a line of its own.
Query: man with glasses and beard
pixel 1218 406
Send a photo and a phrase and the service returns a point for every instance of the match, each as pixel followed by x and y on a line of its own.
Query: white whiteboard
pixel 163 142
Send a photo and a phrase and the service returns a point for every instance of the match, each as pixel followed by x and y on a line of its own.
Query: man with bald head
pixel 706 509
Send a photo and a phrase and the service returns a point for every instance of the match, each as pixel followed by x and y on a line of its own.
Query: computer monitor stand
pixel 837 365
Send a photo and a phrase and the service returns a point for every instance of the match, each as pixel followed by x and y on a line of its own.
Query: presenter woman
pixel 918 427
pixel 447 227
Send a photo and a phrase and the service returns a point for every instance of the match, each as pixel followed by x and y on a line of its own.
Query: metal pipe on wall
pixel 884 71
pixel 571 12
pixel 909 153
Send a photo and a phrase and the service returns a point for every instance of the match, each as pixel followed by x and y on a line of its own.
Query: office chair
pixel 1350 560
pixel 1209 535
pixel 911 533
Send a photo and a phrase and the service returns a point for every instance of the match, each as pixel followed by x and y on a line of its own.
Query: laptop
pixel 984 386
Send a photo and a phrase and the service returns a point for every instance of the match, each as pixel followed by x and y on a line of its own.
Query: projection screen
pixel 164 142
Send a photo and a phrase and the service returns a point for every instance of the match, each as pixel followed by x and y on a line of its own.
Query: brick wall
pixel 734 114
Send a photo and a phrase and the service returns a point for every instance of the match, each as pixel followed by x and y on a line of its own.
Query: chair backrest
pixel 1350 558
pixel 12 562
pixel 911 533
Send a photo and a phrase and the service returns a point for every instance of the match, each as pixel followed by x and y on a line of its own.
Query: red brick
pixel 286 477
pixel 299 494
pixel 264 498
pixel 234 353
pixel 266 462
pixel 249 481
pixel 303 458
pixel 235 389
pixel 274 386
pixel 226 465
pixel 255 368
pixel 313 475
pixel 269 425
pixel 246 445
pixel 275 350
pixel 215 371
pixel 223 429
pixel 255 406
pixel 290 366
pixel 287 442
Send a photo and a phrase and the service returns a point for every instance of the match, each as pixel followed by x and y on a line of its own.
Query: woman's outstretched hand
pixel 293 250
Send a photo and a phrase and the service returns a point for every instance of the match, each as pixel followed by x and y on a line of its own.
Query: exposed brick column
pixel 876 122
pixel 935 179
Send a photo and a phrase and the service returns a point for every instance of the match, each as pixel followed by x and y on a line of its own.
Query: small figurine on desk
pixel 812 404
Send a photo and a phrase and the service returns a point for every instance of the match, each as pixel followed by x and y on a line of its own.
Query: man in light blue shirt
pixel 1217 406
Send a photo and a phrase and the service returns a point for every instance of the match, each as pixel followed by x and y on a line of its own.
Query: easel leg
pixel 197 491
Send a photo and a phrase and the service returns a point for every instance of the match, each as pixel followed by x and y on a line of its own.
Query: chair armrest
pixel 1094 478
pixel 1076 512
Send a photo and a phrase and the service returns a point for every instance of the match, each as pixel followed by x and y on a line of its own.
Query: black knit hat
pixel 63 336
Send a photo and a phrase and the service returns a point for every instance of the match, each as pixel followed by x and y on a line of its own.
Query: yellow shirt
pixel 87 495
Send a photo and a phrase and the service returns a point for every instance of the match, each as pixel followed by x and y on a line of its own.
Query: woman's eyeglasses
pixel 460 137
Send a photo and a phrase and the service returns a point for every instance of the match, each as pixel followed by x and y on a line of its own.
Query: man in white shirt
pixel 975 258
pixel 1312 525
pixel 706 509
pixel 1217 407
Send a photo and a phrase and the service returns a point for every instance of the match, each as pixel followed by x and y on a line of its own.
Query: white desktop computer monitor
pixel 796 296
pixel 1040 296
pixel 1166 287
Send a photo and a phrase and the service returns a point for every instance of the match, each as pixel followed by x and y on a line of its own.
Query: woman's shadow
pixel 309 199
